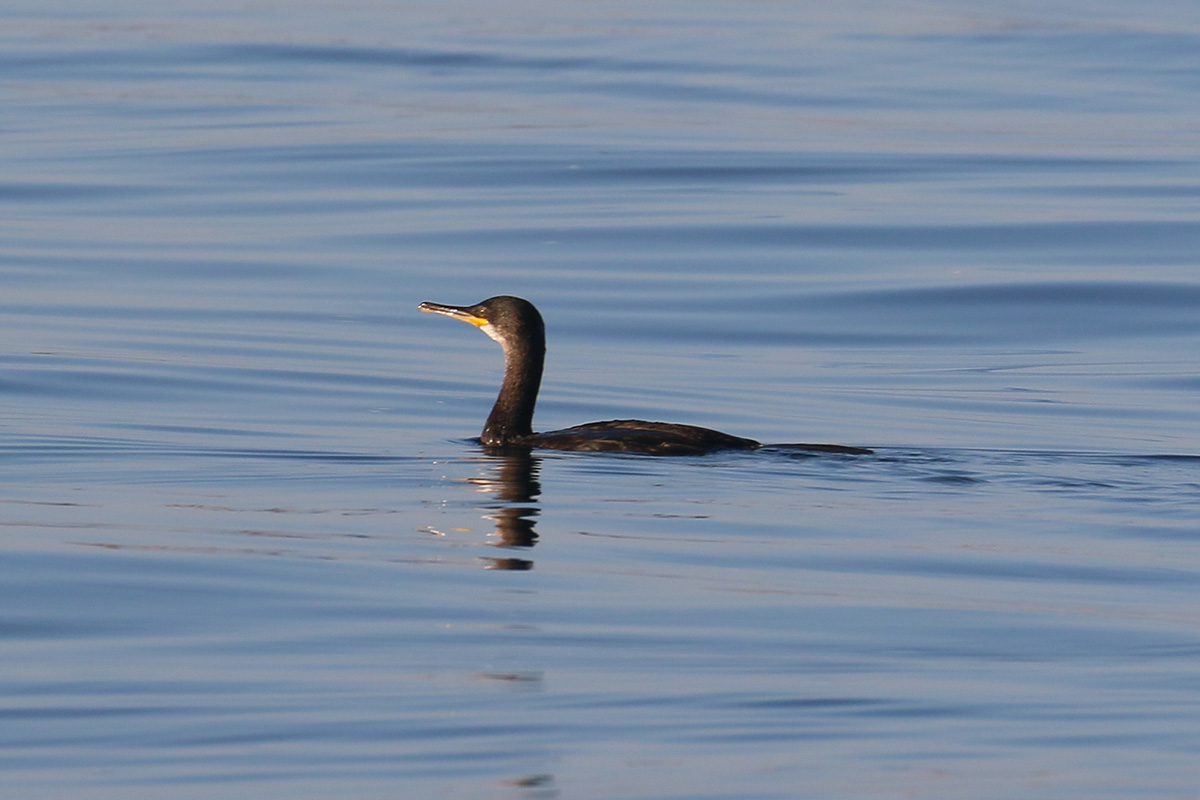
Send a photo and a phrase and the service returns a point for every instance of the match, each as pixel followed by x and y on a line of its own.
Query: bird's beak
pixel 465 313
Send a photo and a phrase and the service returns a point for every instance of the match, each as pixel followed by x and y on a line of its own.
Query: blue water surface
pixel 250 549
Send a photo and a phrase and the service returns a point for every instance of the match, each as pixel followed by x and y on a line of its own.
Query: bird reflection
pixel 515 484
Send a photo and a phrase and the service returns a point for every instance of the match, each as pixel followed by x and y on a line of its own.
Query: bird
pixel 518 327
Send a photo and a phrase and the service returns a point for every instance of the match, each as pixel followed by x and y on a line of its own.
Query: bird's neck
pixel 512 415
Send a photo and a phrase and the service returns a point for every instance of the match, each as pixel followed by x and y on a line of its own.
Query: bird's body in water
pixel 518 327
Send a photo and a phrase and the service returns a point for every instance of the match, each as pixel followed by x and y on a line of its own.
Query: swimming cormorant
pixel 518 327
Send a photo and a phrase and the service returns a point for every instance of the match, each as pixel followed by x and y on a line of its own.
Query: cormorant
pixel 518 327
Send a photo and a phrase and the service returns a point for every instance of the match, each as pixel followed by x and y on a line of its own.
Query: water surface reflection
pixel 515 485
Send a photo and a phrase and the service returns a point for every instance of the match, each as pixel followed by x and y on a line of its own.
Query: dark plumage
pixel 519 329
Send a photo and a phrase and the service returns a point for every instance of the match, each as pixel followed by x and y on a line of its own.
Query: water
pixel 249 549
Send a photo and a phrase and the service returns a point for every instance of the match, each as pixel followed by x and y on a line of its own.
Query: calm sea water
pixel 249 549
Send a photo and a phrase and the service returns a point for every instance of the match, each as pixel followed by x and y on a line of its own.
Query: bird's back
pixel 640 436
